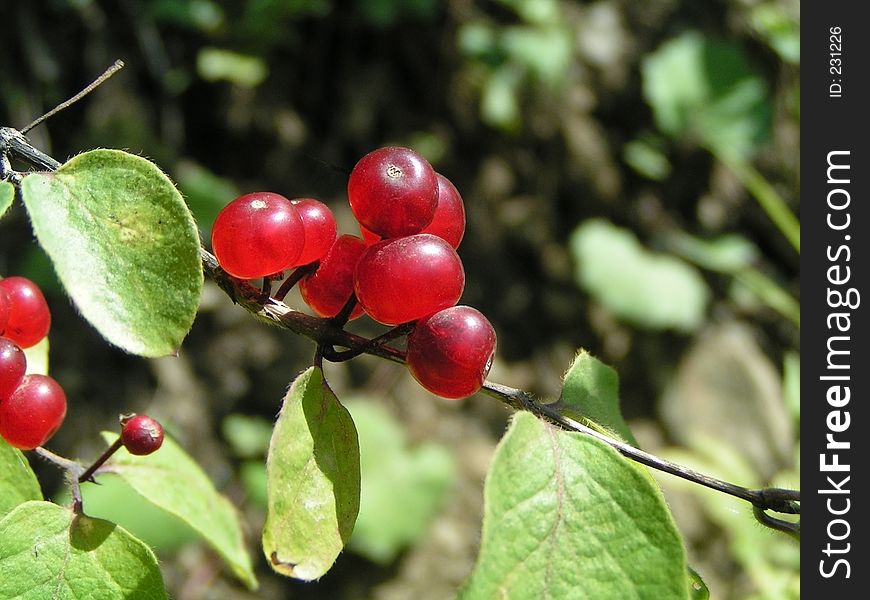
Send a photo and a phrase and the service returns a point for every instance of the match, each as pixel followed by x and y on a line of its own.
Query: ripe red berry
pixel 320 229
pixel 450 352
pixel 4 310
pixel 141 435
pixel 329 288
pixel 34 411
pixel 393 192
pixel 13 365
pixel 29 318
pixel 258 234
pixel 403 279
pixel 449 220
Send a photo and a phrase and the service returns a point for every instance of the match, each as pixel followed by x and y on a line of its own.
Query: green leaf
pixel 49 552
pixel 707 89
pixel 697 588
pixel 216 64
pixel 7 195
pixel 171 480
pixel 123 244
pixel 313 475
pixel 18 482
pixel 657 291
pixel 402 487
pixel 114 500
pixel 567 517
pixel 590 390
pixel 37 357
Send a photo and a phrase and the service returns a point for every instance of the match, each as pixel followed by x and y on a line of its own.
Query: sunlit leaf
pixel 567 517
pixel 591 390
pixel 49 552
pixel 171 480
pixel 18 482
pixel 124 245
pixel 313 480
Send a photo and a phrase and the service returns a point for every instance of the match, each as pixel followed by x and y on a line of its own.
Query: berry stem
pixel 89 473
pixel 295 277
pixel 341 319
pixel 332 355
pixel 70 466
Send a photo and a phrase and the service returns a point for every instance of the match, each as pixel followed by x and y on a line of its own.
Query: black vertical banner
pixel 835 225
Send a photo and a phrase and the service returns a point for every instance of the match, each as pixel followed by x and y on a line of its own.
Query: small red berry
pixel 29 318
pixel 142 435
pixel 257 235
pixel 320 229
pixel 393 192
pixel 403 279
pixel 34 411
pixel 13 365
pixel 329 288
pixel 450 352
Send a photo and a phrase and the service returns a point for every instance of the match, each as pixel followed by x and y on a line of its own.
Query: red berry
pixel 403 279
pixel 29 318
pixel 393 192
pixel 13 365
pixel 4 310
pixel 34 411
pixel 320 229
pixel 329 288
pixel 257 234
pixel 450 352
pixel 449 220
pixel 142 435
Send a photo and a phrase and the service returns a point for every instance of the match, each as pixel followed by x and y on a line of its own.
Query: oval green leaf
pixel 171 480
pixel 18 482
pixel 313 474
pixel 566 516
pixel 46 551
pixel 652 290
pixel 7 195
pixel 124 245
pixel 590 392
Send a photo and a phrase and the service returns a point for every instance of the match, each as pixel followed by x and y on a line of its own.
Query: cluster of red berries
pixel 32 407
pixel 404 268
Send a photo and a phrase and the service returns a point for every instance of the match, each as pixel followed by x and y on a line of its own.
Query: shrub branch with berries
pixel 561 496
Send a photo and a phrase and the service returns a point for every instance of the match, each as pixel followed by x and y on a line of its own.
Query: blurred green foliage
pixel 648 289
pixel 547 115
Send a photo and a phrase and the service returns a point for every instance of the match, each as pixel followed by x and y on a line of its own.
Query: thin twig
pixel 117 66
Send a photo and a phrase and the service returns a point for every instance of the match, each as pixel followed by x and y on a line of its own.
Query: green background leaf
pixel 567 517
pixel 123 243
pixel 657 291
pixel 707 88
pixel 591 390
pixel 402 487
pixel 7 195
pixel 313 474
pixel 47 552
pixel 18 482
pixel 171 480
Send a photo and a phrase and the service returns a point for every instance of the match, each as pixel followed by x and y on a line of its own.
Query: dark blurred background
pixel 614 158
